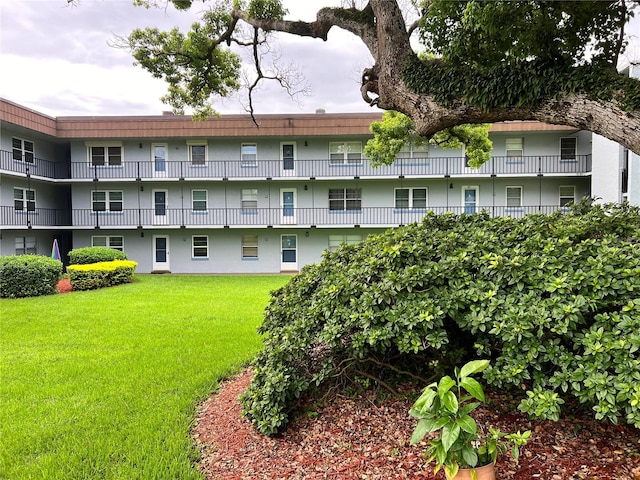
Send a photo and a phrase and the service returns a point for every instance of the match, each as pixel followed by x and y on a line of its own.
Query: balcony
pixel 317 169
pixel 436 167
pixel 381 217
pixel 40 217
pixel 37 168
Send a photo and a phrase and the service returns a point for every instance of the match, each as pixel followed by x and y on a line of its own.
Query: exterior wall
pixel 606 183
pixel 225 252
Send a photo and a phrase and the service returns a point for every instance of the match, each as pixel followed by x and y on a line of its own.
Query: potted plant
pixel 460 447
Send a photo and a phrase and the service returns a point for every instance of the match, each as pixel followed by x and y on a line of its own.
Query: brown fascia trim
pixel 25 117
pixel 183 126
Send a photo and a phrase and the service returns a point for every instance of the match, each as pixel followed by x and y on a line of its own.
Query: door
pixel 288 153
pixel 161 253
pixel 289 252
pixel 288 205
pixel 159 152
pixel 160 207
pixel 470 199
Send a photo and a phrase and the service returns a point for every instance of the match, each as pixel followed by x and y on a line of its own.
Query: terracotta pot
pixel 488 472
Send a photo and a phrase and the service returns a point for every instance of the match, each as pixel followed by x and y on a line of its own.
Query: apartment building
pixel 227 196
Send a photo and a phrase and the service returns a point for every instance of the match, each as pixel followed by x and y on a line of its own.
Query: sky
pixel 57 59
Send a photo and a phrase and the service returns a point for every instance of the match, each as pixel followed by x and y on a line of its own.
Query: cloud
pixel 62 64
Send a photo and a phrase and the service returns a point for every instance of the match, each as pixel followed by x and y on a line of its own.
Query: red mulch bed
pixel 361 439
pixel 64 286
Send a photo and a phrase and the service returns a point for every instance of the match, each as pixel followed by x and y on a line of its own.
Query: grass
pixel 104 384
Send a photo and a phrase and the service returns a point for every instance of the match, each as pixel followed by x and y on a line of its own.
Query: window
pixel 105 155
pixel 345 152
pixel 567 195
pixel 514 196
pixel 115 242
pixel 345 199
pixel 24 199
pixel 26 246
pixel 336 240
pixel 249 154
pixel 250 246
pixel 514 147
pixel 411 197
pixel 197 152
pixel 200 246
pixel 249 199
pixel 568 148
pixel 22 150
pixel 410 150
pixel 199 200
pixel 106 201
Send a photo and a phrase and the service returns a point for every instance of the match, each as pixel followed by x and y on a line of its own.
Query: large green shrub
pixel 28 276
pixel 552 300
pixel 101 274
pixel 87 255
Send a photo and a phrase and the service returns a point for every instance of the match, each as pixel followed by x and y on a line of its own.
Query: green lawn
pixel 104 384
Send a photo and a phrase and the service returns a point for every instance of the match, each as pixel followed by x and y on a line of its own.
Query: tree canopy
pixel 477 61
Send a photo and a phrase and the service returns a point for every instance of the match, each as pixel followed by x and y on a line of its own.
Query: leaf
pixel 422 428
pixel 468 424
pixel 469 456
pixel 446 383
pixel 474 388
pixel 450 433
pixel 450 402
pixel 472 367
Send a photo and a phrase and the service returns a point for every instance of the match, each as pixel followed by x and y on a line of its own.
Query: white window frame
pixel 566 156
pixel 196 249
pixel 107 146
pixel 514 147
pixel 345 153
pixel 23 152
pixel 24 199
pixel 110 241
pixel 346 196
pixel 249 199
pixel 26 246
pixel 563 200
pixel 507 197
pixel 249 247
pixel 193 200
pixel 190 155
pixel 249 154
pixel 337 240
pixel 411 199
pixel 108 200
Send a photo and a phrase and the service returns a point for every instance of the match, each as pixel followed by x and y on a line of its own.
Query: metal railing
pixel 38 167
pixel 40 217
pixel 302 169
pixel 238 217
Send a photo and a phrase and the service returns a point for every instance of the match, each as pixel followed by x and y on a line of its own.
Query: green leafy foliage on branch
pixel 552 300
pixel 396 130
pixel 521 85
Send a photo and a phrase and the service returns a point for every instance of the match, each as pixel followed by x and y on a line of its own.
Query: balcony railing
pixel 237 217
pixel 40 217
pixel 303 169
pixel 38 167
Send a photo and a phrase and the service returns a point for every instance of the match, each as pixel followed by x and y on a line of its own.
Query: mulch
pixel 367 438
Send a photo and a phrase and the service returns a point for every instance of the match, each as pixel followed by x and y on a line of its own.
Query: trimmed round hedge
pixel 28 276
pixel 552 300
pixel 87 255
